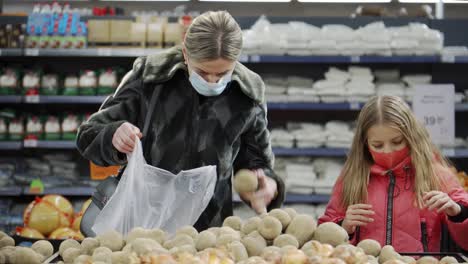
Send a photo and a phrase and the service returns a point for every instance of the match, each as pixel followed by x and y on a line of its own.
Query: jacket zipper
pixel 391 188
pixel 424 234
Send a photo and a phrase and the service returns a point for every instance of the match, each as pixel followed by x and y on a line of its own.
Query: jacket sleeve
pixel 457 225
pixel 94 140
pixel 334 212
pixel 255 153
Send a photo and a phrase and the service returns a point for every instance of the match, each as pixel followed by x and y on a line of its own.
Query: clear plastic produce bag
pixel 151 197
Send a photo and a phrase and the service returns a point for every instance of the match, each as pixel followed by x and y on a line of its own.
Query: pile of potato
pixel 281 236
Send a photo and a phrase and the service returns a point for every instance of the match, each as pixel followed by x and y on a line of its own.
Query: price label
pixel 255 58
pixel 244 58
pixel 449 152
pixel 32 99
pixel 448 58
pixel 104 52
pixel 355 59
pixel 32 52
pixel 434 105
pixel 354 106
pixel 30 143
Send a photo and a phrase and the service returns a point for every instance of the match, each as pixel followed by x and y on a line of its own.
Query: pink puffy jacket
pixel 397 221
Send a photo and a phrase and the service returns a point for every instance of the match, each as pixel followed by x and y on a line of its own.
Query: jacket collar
pixel 400 170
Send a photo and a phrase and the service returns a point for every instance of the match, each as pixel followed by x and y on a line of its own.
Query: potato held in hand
pixel 245 181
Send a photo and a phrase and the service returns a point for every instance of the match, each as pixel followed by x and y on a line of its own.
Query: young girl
pixel 395 186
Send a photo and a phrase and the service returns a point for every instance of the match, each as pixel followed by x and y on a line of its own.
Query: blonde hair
pixel 213 35
pixel 394 112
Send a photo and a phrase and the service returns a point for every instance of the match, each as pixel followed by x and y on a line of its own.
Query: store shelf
pixel 341 152
pixel 342 59
pixel 461 59
pixel 315 106
pixel 42 99
pixel 460 107
pixel 298 198
pixel 65 191
pixel 10 191
pixel 92 52
pixel 10 52
pixel 10 99
pixel 315 152
pixel 43 144
pixel 10 145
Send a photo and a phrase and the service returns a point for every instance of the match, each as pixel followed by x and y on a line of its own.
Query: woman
pixel 210 111
pixel 395 186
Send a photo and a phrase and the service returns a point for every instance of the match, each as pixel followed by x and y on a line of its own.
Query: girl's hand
pixel 440 201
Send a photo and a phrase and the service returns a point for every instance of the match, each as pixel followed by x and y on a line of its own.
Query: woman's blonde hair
pixel 213 35
pixel 394 112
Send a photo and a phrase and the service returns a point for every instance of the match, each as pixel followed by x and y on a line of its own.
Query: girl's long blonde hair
pixel 394 112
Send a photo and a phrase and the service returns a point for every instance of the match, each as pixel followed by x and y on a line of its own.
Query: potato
pixel 102 250
pixel 238 251
pixel 83 259
pixel 282 216
pixel 251 225
pixel 89 244
pixel 112 240
pixel 370 247
pixel 179 240
pixel 70 254
pixel 188 230
pixel 270 228
pixel 7 241
pixel 291 212
pixel 155 234
pixel 285 240
pixel 427 260
pixel 226 239
pixel 408 259
pixel 214 230
pixel 302 227
pixel 388 253
pixel 245 181
pixel 448 260
pixel 349 253
pixel 331 233
pixel 143 246
pixel 253 260
pixel 254 245
pixel 233 222
pixel 206 239
pixel 43 247
pixel 66 244
pixel 394 261
pixel 3 234
pixel 27 255
pixel 9 252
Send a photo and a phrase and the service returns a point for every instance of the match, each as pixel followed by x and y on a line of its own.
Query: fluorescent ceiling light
pixel 433 1
pixel 246 1
pixel 345 1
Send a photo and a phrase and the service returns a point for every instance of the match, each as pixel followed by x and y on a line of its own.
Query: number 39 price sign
pixel 434 105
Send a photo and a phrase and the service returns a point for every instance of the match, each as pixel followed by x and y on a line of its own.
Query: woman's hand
pixel 267 190
pixel 357 215
pixel 124 138
pixel 440 201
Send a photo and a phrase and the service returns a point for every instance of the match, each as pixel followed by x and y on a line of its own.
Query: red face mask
pixel 389 160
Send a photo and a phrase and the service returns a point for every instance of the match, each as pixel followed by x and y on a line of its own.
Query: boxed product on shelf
pixel 70 85
pixel 16 129
pixel 55 27
pixel 98 31
pixel 120 30
pixel 9 82
pixel 155 33
pixel 70 126
pixel 52 128
pixel 88 83
pixel 107 82
pixel 12 36
pixel 31 82
pixel 138 34
pixel 34 128
pixel 49 84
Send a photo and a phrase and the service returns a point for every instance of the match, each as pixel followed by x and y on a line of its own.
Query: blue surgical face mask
pixel 206 88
